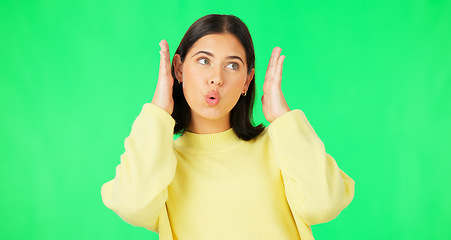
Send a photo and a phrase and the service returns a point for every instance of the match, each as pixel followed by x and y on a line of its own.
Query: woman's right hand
pixel 163 92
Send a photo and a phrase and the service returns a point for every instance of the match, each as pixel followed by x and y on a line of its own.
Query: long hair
pixel 241 115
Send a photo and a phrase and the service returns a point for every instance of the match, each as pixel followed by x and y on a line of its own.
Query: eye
pixel 233 66
pixel 204 61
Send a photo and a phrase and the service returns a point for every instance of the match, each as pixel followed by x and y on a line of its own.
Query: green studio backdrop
pixel 372 77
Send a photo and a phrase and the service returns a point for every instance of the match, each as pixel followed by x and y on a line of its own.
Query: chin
pixel 210 113
pixel 213 114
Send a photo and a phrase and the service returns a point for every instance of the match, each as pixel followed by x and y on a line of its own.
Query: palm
pixel 273 101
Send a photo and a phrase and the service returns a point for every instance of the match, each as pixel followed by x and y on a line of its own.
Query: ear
pixel 177 61
pixel 249 78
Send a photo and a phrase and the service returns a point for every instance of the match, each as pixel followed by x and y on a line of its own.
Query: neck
pixel 208 126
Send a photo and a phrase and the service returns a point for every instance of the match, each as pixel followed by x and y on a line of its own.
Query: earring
pixel 245 94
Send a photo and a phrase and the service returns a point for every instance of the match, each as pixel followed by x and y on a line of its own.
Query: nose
pixel 216 77
pixel 215 82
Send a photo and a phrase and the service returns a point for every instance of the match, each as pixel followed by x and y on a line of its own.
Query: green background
pixel 373 78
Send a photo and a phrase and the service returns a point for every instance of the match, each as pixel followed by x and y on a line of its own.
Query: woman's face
pixel 214 75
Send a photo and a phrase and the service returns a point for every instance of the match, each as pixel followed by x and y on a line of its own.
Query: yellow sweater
pixel 216 186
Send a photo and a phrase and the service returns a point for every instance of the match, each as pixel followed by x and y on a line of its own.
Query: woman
pixel 223 178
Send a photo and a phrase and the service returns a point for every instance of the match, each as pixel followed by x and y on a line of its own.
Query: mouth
pixel 212 98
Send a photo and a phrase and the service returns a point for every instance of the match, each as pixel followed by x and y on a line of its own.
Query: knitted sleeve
pixel 138 192
pixel 316 189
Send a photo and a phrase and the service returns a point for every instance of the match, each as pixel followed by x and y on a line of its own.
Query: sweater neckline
pixel 208 142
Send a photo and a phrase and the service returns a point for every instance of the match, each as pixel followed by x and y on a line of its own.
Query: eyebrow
pixel 212 55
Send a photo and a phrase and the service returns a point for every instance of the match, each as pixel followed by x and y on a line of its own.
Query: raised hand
pixel 273 101
pixel 163 92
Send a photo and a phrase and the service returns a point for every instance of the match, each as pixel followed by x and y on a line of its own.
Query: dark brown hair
pixel 241 114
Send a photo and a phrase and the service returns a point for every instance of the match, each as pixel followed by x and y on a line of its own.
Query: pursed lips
pixel 212 98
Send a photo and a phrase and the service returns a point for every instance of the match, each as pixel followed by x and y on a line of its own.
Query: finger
pixel 165 48
pixel 164 45
pixel 273 62
pixel 164 57
pixel 168 58
pixel 275 55
pixel 279 69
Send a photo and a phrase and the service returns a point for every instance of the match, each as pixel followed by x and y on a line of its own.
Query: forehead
pixel 221 45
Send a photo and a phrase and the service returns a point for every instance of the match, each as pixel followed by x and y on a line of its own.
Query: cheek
pixel 235 88
pixel 191 85
pixel 190 74
pixel 237 83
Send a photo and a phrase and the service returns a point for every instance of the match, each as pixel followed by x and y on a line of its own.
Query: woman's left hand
pixel 273 101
